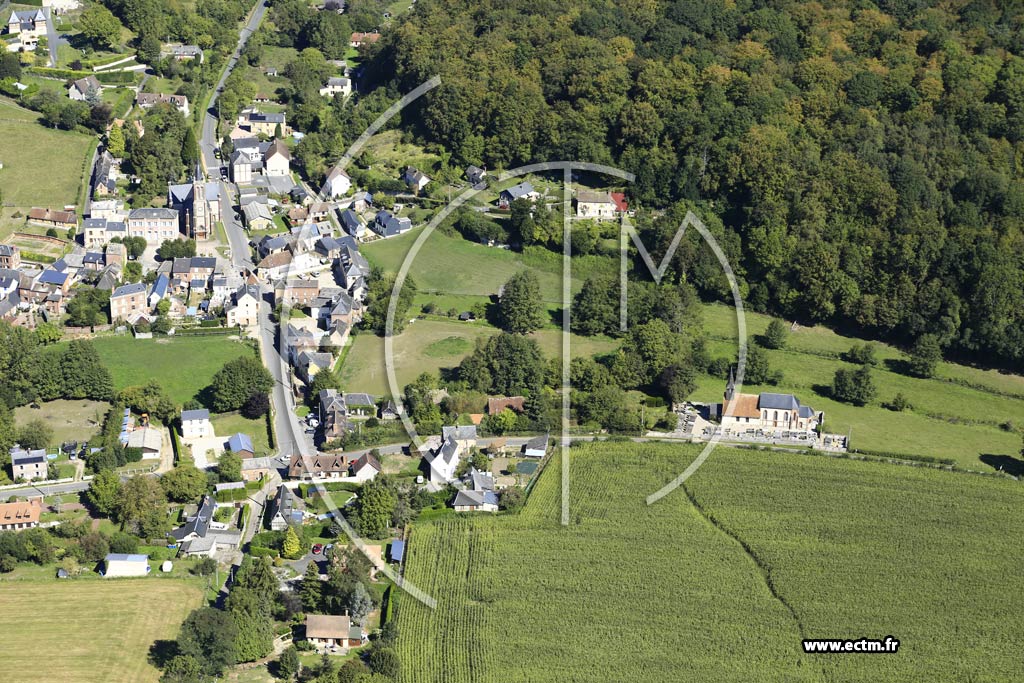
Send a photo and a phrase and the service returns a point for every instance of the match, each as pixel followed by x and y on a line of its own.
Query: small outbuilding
pixel 397 551
pixel 122 564
pixel 536 447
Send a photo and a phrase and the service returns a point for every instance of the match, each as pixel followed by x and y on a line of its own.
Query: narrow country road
pixel 209 137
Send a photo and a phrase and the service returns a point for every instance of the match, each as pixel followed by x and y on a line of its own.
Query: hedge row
pixel 905 456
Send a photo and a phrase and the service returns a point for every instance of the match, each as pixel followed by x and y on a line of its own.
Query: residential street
pixel 290 436
pixel 237 239
pixel 208 139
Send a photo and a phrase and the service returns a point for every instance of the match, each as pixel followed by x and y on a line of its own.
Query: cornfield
pixel 720 581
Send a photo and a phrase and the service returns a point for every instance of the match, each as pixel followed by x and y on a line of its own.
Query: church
pixel 766 411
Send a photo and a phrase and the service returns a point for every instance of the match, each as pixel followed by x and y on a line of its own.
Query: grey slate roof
pixel 461 432
pixel 126 290
pixel 152 214
pixel 202 414
pixel 200 523
pixel 778 401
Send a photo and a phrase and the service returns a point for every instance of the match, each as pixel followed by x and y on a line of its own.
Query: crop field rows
pixel 649 593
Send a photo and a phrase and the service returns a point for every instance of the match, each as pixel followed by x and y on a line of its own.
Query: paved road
pixel 291 438
pixel 209 137
pixel 238 241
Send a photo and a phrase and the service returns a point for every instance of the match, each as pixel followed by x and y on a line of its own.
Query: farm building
pixel 122 564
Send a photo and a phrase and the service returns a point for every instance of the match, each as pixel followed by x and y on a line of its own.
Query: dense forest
pixel 860 162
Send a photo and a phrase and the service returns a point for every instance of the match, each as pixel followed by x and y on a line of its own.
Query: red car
pixel 317 547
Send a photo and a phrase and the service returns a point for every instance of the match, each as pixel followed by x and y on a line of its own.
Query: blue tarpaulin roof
pixel 397 551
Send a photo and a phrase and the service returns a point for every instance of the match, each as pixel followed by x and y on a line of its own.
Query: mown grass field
pixel 76 420
pixel 431 345
pixel 183 366
pixel 42 166
pixel 678 591
pixel 89 630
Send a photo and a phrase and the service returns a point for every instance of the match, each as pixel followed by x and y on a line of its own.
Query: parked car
pixel 317 548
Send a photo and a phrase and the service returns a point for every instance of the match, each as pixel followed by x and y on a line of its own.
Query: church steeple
pixel 730 387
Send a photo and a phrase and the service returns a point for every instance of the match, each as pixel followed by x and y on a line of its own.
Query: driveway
pixel 201 446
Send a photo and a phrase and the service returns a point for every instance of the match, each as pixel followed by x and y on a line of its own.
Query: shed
pixel 122 564
pixel 397 551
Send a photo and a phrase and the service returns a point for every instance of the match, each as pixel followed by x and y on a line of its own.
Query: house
pixel 536 447
pixel 28 23
pixel 338 85
pixel 195 424
pixel 147 100
pixel 240 165
pixel 276 266
pixel 319 466
pixel 475 501
pixel 766 411
pixel 28 464
pixel 365 468
pixel 358 39
pixel 122 564
pixel 297 293
pixel 443 462
pixel 464 434
pixel 202 535
pixel 244 310
pixel 10 257
pixel 297 215
pixel 597 205
pixel 50 218
pixel 153 225
pixel 332 631
pixel 415 179
pixel 333 414
pixel 390 410
pixel 258 123
pixel 523 190
pixel 277 160
pixel 183 53
pixel 127 301
pixel 258 216
pixel 311 363
pixel 285 509
pixel 93 260
pixel 352 223
pixel 496 404
pixel 241 445
pixel 476 176
pixel 361 201
pixel 107 170
pixel 337 184
pixel 84 89
pixel 149 440
pixel 361 405
pixel 387 224
pixel 22 514
pixel 319 211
